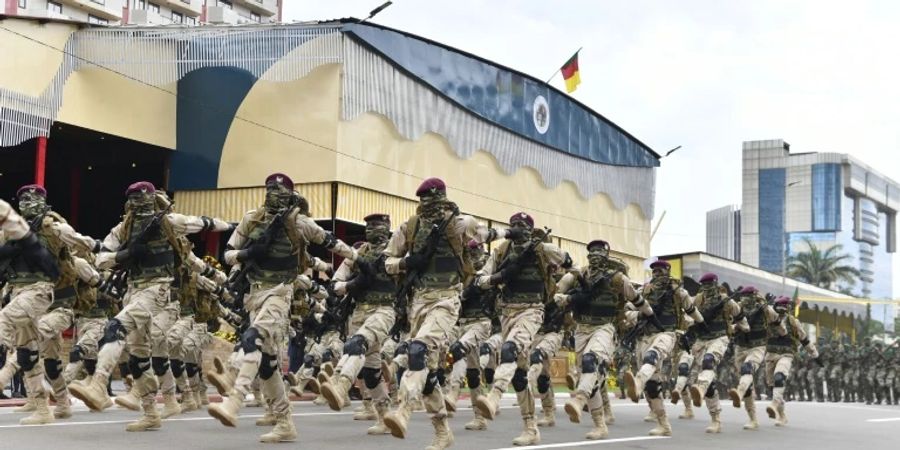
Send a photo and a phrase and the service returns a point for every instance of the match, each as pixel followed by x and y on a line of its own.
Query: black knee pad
pixel 457 351
pixel 327 355
pixel 589 363
pixel 543 384
pixel 520 380
pixel 651 357
pixel 711 390
pixel 509 352
pixel 709 362
pixel 473 378
pixel 113 332
pixel 402 349
pixel 356 345
pixel 431 381
pixel 418 350
pixel 489 376
pixel 485 349
pixel 309 360
pixel 684 369
pixel 267 366
pixel 400 372
pixel 2 355
pixel 137 366
pixel 441 377
pixel 779 379
pixel 160 366
pixel 537 357
pixel 124 369
pixel 90 366
pixel 26 358
pixel 248 340
pixel 76 354
pixel 177 367
pixel 53 368
pixel 191 369
pixel 747 368
pixel 370 376
pixel 652 388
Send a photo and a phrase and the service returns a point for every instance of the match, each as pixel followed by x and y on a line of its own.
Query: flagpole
pixel 560 69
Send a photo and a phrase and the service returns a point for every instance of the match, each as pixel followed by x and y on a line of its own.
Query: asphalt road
pixel 812 426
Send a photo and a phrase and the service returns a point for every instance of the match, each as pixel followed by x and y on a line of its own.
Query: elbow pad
pixel 329 241
pixel 208 223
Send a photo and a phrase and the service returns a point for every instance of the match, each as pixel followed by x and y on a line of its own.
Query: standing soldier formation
pixel 412 316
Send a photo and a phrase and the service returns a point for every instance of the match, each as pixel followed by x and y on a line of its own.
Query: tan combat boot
pixel 227 411
pixel 170 406
pixel 487 405
pixel 782 417
pixel 381 408
pixel 320 400
pixel 150 420
pixel 189 401
pixel 94 394
pixel 715 426
pixel 328 368
pixel 650 417
pixel 608 413
pixel 477 424
pixel 663 428
pixel 397 421
pixel 752 424
pixel 548 411
pixel 129 400
pixel 633 387
pixel 574 406
pixel 284 431
pixel 735 397
pixel 222 381
pixel 268 419
pixel 36 392
pixel 367 412
pixel 334 392
pixel 675 395
pixel 696 395
pixel 63 409
pixel 443 437
pixel 599 431
pixel 26 408
pixel 530 435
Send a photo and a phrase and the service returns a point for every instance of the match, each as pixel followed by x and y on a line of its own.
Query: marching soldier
pixel 522 266
pixel 597 295
pixel 785 335
pixel 146 242
pixel 669 302
pixel 372 290
pixel 269 246
pixel 750 349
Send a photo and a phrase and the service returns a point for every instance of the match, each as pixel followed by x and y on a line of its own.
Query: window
pixel 190 21
pixel 771 219
pixel 254 17
pixel 826 197
pixel 97 21
pixel 226 3
pixel 101 2
pixel 54 7
pixel 140 4
pixel 177 17
pixel 23 3
pixel 153 7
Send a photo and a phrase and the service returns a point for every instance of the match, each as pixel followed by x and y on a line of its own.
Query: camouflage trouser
pixel 473 332
pixel 545 347
pixel 432 316
pixel 653 350
pixel 850 384
pixel 328 349
pixel 835 376
pixel 597 343
pixel 19 330
pixel 89 331
pixel 706 355
pixel 520 324
pixel 176 335
pixel 489 353
pixel 371 324
pixel 747 361
pixel 778 368
pixel 50 328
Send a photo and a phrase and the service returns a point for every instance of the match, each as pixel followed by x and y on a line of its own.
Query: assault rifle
pixel 115 284
pixel 401 324
pixel 690 336
pixel 237 282
pixel 527 252
pixel 629 340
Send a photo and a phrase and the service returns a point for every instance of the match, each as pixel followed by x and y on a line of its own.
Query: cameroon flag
pixel 796 302
pixel 570 73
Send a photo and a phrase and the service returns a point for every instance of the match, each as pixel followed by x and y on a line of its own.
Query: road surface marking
pixel 585 443
pixel 892 419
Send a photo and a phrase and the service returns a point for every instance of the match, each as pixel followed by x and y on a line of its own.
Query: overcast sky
pixel 706 75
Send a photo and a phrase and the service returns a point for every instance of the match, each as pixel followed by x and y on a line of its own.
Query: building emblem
pixel 541 114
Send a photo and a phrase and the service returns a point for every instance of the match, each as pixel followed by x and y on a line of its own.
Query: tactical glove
pixel 579 298
pixel 655 322
pixel 8 251
pixel 470 292
pixel 415 261
pixel 514 233
pixel 38 257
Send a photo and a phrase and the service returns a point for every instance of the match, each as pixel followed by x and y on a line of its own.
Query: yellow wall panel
pixel 354 203
pixel 27 66
pixel 231 204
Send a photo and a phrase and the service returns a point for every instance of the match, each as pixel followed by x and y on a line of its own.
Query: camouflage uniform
pixel 785 334
pixel 750 350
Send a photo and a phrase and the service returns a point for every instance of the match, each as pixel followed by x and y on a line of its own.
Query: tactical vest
pixel 445 269
pixel 665 306
pixel 285 257
pixel 758 333
pixel 25 275
pixel 473 307
pixel 529 286
pixel 382 289
pixel 206 307
pixel 184 291
pixel 85 299
pixel 782 345
pixel 604 305
pixel 160 258
pixel 717 326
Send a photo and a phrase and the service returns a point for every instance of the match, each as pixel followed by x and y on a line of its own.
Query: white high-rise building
pixel 151 12
pixel 723 232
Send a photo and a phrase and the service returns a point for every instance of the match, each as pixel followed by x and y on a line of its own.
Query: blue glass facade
pixel 826 197
pixel 771 219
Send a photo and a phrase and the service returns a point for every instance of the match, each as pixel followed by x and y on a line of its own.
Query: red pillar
pixel 12 7
pixel 212 243
pixel 40 160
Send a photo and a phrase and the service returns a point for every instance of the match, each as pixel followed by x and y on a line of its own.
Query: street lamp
pixel 786 241
pixel 377 10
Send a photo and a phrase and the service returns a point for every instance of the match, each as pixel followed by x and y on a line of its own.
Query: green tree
pixel 822 268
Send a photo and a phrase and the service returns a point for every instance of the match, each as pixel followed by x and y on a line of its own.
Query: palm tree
pixel 822 269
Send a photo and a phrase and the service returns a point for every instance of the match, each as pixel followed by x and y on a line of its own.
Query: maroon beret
pixel 598 243
pixel 358 244
pixel 660 263
pixel 430 186
pixel 709 277
pixel 32 189
pixel 280 178
pixel 378 217
pixel 141 186
pixel 522 217
pixel 749 290
pixel 783 300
